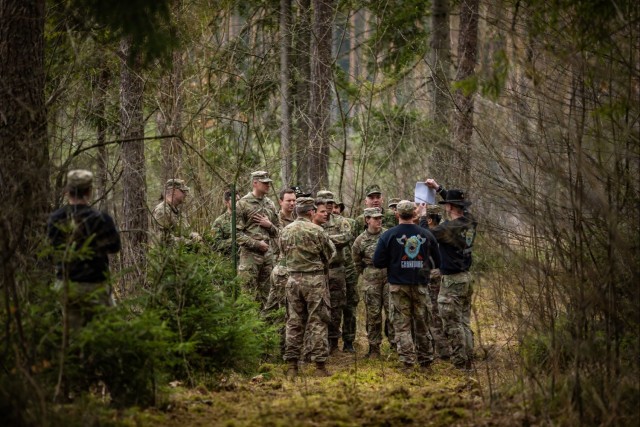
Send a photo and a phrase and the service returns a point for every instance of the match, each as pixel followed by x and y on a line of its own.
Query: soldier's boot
pixel 348 347
pixel 374 352
pixel 321 370
pixel 333 345
pixel 292 370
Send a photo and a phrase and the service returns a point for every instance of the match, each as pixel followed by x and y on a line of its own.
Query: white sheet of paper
pixel 424 194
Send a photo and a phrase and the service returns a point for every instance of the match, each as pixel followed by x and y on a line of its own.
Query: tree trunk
pixel 102 195
pixel 169 118
pixel 440 61
pixel 135 219
pixel 320 92
pixel 285 83
pixel 467 52
pixel 303 89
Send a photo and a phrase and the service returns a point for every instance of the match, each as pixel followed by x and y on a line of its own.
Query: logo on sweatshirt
pixel 411 257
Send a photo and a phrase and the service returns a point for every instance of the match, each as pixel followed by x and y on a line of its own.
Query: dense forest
pixel 532 106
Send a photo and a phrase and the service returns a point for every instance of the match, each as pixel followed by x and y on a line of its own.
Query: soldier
pixel 404 251
pixel 307 250
pixel 339 232
pixel 455 238
pixel 221 229
pixel 374 281
pixel 85 271
pixel 443 351
pixel 171 225
pixel 392 205
pixel 374 199
pixel 256 225
pixel 349 313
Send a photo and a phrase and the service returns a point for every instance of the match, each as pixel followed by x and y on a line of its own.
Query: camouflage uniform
pixel 221 234
pixel 388 221
pixel 279 274
pixel 349 321
pixel 307 250
pixel 255 267
pixel 339 232
pixel 375 289
pixel 170 224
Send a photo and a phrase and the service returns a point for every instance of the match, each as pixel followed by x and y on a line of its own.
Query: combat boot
pixel 348 347
pixel 333 345
pixel 292 370
pixel 321 370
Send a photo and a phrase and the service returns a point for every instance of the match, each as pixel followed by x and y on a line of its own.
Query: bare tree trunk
pixel 467 52
pixel 440 61
pixel 303 89
pixel 285 83
pixel 101 137
pixel 320 92
pixel 135 218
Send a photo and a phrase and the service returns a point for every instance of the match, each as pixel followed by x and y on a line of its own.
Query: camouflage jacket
pixel 388 221
pixel 339 232
pixel 306 247
pixel 221 233
pixel 363 249
pixel 347 249
pixel 249 233
pixel 284 221
pixel 170 224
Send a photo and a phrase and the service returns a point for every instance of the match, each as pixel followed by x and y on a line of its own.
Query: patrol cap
pixel 455 197
pixel 79 179
pixel 405 207
pixel 262 176
pixel 373 212
pixel 177 184
pixel 393 202
pixel 372 189
pixel 434 210
pixel 326 195
pixel 304 204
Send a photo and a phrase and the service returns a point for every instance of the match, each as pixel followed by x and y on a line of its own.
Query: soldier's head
pixel 228 194
pixel 455 204
pixel 322 213
pixel 305 207
pixel 434 215
pixel 175 191
pixel 373 218
pixel 287 200
pixel 329 199
pixel 79 184
pixel 406 211
pixel 374 197
pixel 261 183
pixel 338 207
pixel 393 203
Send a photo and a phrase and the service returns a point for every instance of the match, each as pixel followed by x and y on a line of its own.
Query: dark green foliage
pixel 216 326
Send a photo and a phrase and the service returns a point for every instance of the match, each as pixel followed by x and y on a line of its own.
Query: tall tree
pixel 285 84
pixel 467 53
pixel 135 219
pixel 320 107
pixel 302 72
pixel 440 61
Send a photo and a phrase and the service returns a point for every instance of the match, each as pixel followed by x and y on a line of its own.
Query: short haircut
pixel 79 193
pixel 435 217
pixel 406 215
pixel 320 201
pixel 286 191
pixel 227 195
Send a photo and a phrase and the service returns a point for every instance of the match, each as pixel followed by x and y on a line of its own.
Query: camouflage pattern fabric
pixel 409 305
pixel 437 330
pixel 374 287
pixel 307 250
pixel 454 303
pixel 221 234
pixel 170 224
pixel 349 319
pixel 255 267
pixel 388 221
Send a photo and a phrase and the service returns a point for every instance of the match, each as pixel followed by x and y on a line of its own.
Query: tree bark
pixel 467 52
pixel 104 79
pixel 440 61
pixel 302 91
pixel 285 84
pixel 320 92
pixel 135 218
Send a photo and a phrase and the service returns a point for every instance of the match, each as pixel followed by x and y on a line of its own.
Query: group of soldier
pixel 307 258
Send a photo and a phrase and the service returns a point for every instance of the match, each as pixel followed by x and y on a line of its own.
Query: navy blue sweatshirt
pixel 404 251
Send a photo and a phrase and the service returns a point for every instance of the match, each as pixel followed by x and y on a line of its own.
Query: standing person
pixel 404 251
pixel 374 199
pixel 443 350
pixel 221 229
pixel 307 250
pixel 374 281
pixel 86 271
pixel 392 205
pixel 170 223
pixel 339 232
pixel 256 226
pixel 455 238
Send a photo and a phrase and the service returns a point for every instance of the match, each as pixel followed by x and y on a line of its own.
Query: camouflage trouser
pixel 85 300
pixel 351 305
pixel 254 271
pixel 454 302
pixel 277 300
pixel 376 299
pixel 307 299
pixel 409 305
pixel 437 330
pixel 338 292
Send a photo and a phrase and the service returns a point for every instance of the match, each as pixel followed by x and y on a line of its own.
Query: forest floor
pixel 360 391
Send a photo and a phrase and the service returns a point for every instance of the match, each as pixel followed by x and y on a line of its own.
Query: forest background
pixel 532 106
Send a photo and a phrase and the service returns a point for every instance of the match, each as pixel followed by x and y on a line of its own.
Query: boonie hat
pixel 326 195
pixel 455 197
pixel 372 189
pixel 79 179
pixel 373 212
pixel 262 176
pixel 405 207
pixel 176 183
